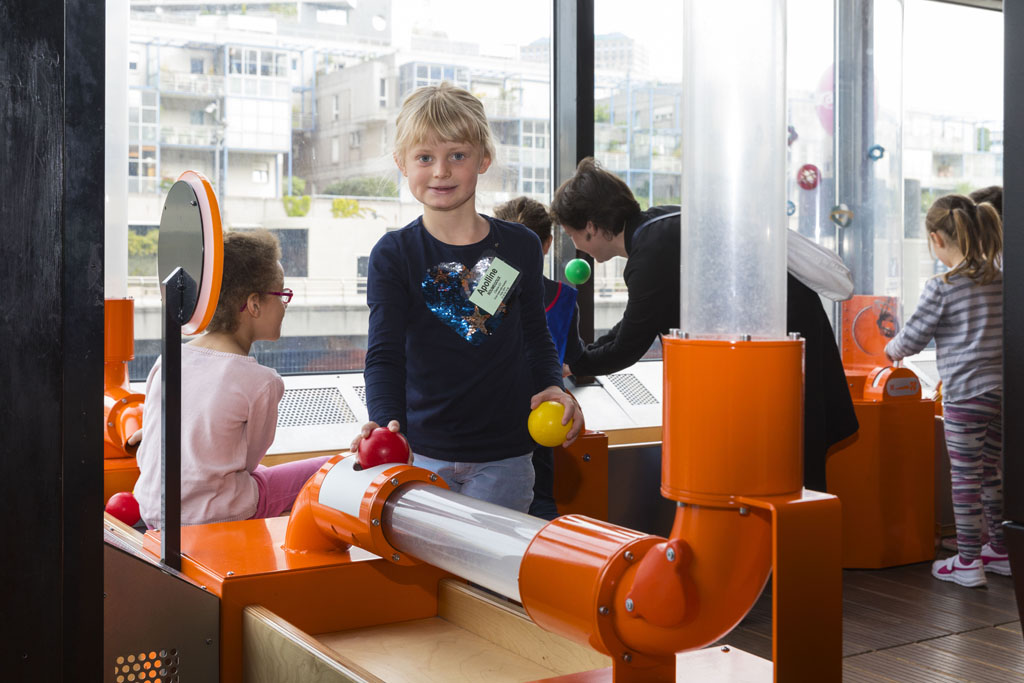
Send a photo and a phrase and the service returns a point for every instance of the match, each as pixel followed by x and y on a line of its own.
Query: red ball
pixel 124 507
pixel 383 446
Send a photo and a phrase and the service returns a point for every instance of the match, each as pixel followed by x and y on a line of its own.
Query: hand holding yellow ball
pixel 545 424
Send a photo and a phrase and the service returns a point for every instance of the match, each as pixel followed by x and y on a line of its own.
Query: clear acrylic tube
pixel 733 265
pixel 479 541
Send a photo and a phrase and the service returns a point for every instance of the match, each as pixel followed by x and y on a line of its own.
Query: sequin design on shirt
pixel 446 290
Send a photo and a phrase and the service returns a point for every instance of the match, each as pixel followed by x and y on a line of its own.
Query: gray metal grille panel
pixel 633 389
pixel 317 406
pixel 361 393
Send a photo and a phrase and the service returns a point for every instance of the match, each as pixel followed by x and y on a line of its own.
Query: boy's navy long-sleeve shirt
pixel 459 380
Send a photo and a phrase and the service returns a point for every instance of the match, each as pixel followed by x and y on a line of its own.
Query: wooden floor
pixel 904 626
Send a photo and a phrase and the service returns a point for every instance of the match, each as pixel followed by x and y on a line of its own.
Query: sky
pixel 952 54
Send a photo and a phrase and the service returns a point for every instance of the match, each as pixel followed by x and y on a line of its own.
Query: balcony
pixel 191 136
pixel 198 85
pixel 501 109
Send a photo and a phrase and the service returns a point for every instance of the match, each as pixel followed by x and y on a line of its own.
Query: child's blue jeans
pixel 507 482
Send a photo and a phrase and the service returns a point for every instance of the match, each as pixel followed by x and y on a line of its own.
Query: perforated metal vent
pixel 308 407
pixel 634 391
pixel 361 393
pixel 151 667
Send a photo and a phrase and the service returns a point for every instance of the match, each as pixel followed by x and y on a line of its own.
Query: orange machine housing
pixel 122 409
pixel 884 474
pixel 732 461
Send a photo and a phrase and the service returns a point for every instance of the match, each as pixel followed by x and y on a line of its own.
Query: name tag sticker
pixel 494 286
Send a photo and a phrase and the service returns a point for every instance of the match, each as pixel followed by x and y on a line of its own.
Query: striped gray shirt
pixel 966 320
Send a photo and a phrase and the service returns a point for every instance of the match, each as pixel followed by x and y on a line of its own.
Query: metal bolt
pixel 396 557
pixel 629 555
pixel 744 512
pixel 629 604
pixel 674 332
pixel 124 400
pixel 209 641
pixel 744 337
pixel 725 648
pixel 193 202
pixel 376 522
pixel 231 573
pixel 626 657
pixel 603 610
pixel 110 424
pixel 433 477
pixel 680 505
pixel 394 481
pixel 795 336
pixel 586 457
pixel 202 588
pixel 670 555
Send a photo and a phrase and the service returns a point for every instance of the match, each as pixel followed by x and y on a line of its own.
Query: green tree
pixel 346 208
pixel 142 248
pixel 364 186
pixel 296 207
pixel 298 186
pixel 601 113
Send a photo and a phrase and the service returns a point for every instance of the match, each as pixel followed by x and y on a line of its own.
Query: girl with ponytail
pixel 962 310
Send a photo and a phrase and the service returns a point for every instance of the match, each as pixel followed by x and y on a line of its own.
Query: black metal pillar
pixel 1013 290
pixel 572 73
pixel 51 380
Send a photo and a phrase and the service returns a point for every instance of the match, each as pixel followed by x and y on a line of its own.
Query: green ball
pixel 577 271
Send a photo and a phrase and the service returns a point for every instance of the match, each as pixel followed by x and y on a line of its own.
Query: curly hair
pixel 529 212
pixel 250 265
pixel 594 195
pixel 975 229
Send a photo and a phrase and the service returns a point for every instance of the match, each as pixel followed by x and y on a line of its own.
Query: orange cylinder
pixel 568 576
pixel 733 418
pixel 118 330
pixel 122 409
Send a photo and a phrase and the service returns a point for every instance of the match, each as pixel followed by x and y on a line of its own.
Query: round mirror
pixel 191 239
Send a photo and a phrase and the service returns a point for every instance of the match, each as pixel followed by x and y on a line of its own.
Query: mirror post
pixel 179 295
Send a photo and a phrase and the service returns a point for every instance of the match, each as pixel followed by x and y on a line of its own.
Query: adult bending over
pixel 599 213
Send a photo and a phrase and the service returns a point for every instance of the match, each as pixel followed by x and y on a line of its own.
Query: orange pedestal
pixel 581 476
pixel 884 475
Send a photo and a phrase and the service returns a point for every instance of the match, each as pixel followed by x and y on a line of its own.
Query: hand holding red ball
pixel 383 446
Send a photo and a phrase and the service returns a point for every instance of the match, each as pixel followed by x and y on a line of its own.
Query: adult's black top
pixel 652 308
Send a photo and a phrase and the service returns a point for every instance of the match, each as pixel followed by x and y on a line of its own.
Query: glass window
pixel 952 143
pixel 333 82
pixel 637 96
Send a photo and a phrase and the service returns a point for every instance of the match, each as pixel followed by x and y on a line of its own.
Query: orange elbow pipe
pixel 722 561
pixel 642 597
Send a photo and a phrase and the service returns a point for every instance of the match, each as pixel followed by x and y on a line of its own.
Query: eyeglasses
pixel 285 294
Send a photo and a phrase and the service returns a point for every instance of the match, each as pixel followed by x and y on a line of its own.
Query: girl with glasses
pixel 229 406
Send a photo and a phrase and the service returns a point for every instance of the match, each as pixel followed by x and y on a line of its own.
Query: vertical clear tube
pixel 481 542
pixel 115 146
pixel 734 162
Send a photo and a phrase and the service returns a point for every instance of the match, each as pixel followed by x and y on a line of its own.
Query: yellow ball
pixel 545 424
